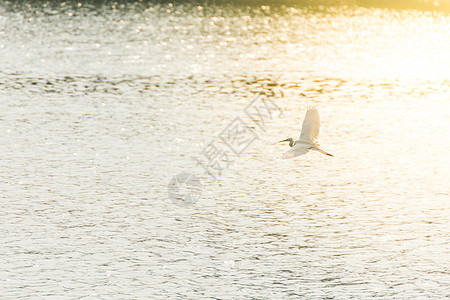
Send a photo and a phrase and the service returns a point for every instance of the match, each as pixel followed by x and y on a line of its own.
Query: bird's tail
pixel 323 152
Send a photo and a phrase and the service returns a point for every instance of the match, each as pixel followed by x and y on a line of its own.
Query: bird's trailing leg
pixel 323 152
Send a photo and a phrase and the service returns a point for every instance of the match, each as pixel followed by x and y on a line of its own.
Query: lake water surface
pixel 100 107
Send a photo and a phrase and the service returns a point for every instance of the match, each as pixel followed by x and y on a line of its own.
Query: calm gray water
pixel 101 106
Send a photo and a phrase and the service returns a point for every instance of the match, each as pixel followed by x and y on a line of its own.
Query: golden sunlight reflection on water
pixel 363 44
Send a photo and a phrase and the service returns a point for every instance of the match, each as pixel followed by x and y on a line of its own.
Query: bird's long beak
pixel 286 140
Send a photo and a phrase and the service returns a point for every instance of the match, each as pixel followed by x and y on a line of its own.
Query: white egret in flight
pixel 308 136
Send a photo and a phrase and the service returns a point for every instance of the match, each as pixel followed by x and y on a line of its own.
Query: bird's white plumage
pixel 308 137
pixel 295 151
pixel 311 126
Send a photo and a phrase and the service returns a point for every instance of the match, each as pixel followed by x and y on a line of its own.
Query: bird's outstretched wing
pixel 295 151
pixel 311 125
